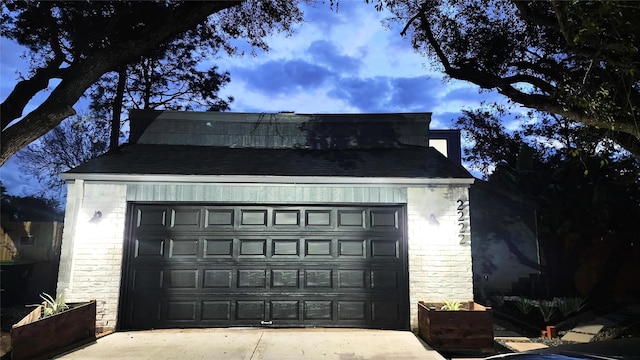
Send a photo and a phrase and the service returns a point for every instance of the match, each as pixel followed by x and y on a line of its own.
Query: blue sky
pixel 338 61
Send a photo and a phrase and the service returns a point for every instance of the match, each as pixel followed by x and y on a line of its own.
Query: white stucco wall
pixel 92 258
pixel 439 264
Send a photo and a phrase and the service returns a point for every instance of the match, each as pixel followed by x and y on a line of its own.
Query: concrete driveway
pixel 254 344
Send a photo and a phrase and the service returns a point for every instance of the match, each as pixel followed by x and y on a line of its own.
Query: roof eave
pixel 275 180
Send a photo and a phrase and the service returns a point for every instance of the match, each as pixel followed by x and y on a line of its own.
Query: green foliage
pixel 451 305
pixel 53 306
pixel 478 127
pixel 73 142
pixel 581 187
pixel 583 190
pixel 547 309
pixel 169 81
pixel 575 59
pixel 525 305
pixel 30 208
pixel 569 305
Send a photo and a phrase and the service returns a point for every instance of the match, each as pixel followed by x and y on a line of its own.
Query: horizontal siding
pixel 265 194
pixel 278 130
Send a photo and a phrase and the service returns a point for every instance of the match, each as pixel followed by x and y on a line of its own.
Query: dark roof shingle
pixel 402 162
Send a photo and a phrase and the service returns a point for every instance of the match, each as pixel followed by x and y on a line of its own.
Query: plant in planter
pixel 455 325
pixel 52 306
pixel 451 305
pixel 53 327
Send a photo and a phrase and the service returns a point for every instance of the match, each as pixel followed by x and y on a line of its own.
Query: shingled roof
pixel 405 162
pixel 281 145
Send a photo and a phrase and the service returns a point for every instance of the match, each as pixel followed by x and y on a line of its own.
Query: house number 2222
pixel 464 232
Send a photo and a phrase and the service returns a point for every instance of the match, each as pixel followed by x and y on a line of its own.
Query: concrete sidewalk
pixel 254 344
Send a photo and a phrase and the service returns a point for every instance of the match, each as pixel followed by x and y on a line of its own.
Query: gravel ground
pixel 631 329
pixel 542 340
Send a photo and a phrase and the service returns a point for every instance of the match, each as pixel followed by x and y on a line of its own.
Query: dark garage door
pixel 210 266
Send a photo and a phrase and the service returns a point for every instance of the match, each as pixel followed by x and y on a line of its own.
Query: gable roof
pixel 371 146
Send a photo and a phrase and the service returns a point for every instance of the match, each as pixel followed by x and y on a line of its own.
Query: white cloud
pixel 340 60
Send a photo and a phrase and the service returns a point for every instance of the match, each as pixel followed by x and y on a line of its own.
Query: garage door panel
pixel 184 219
pixel 384 248
pixel 250 310
pixel 318 248
pixel 352 310
pixel 384 279
pixel 318 310
pixel 221 218
pixel 148 280
pixel 181 310
pixel 287 310
pixel 216 310
pixel 351 248
pixel 256 278
pixel 253 217
pixel 253 247
pixel 151 218
pixel 351 279
pixel 186 248
pixel 285 248
pixel 385 311
pixel 182 279
pixel 146 312
pixel 277 312
pixel 149 247
pixel 385 219
pixel 286 217
pixel 283 265
pixel 318 218
pixel 285 278
pixel 218 248
pixel 273 277
pixel 318 278
pixel 217 279
pixel 351 218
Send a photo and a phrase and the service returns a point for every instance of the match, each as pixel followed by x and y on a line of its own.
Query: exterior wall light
pixel 96 217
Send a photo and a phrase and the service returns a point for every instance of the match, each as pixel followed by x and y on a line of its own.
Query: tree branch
pixel 547 103
pixel 84 72
pixel 466 70
pixel 520 78
pixel 24 90
pixel 563 30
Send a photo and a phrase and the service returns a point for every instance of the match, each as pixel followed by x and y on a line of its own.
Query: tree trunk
pixel 114 139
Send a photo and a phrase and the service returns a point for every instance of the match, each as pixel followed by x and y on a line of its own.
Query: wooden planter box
pixel 470 328
pixel 32 338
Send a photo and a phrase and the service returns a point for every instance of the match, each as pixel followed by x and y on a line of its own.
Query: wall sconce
pixel 96 217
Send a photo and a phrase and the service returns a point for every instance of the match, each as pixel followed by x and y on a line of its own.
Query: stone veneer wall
pixel 91 260
pixel 439 264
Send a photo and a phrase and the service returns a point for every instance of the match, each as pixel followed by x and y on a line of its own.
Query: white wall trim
pixel 259 180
